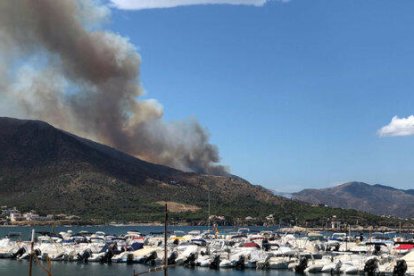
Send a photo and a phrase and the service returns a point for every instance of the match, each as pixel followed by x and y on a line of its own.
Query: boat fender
pixel 400 268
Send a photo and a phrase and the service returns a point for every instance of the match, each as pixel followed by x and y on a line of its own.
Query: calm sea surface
pixel 10 267
pixel 13 267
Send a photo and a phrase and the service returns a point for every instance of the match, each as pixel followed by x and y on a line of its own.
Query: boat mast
pixel 209 205
pixel 165 240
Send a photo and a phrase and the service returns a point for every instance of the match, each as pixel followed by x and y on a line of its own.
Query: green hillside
pixel 52 171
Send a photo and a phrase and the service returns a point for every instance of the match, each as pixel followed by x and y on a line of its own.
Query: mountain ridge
pixel 39 161
pixel 54 171
pixel 377 199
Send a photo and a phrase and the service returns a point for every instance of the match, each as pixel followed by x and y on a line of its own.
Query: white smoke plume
pixel 58 65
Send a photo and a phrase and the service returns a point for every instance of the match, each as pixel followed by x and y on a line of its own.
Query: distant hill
pixel 376 199
pixel 53 171
pixel 282 194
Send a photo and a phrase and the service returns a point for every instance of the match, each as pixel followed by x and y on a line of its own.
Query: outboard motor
pixel 215 263
pixel 337 269
pixel 105 258
pixel 400 268
pixel 130 258
pixel 240 263
pixel 37 252
pixel 303 264
pixel 85 255
pixel 190 262
pixel 171 259
pixel 150 260
pixel 45 256
pixel 19 253
pixel 110 252
pixel 371 266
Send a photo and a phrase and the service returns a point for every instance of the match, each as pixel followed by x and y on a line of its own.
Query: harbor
pixel 124 251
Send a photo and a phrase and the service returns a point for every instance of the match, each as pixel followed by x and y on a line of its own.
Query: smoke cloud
pixel 58 65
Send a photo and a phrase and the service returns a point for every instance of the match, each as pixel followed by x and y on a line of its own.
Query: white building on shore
pixel 16 216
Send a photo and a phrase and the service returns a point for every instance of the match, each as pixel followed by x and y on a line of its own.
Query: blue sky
pixel 294 93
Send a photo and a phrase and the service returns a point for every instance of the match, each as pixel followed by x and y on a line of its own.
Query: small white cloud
pixel 398 127
pixel 156 4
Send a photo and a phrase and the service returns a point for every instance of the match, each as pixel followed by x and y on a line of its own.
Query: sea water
pixel 13 267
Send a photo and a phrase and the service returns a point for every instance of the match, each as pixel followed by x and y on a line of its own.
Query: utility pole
pixel 165 265
pixel 165 241
pixel 31 253
pixel 209 206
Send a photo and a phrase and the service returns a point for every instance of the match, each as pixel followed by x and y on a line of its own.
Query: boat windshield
pixel 243 231
pixel 179 233
pixel 338 236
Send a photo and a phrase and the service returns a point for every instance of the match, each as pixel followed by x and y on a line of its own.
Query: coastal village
pixel 12 216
